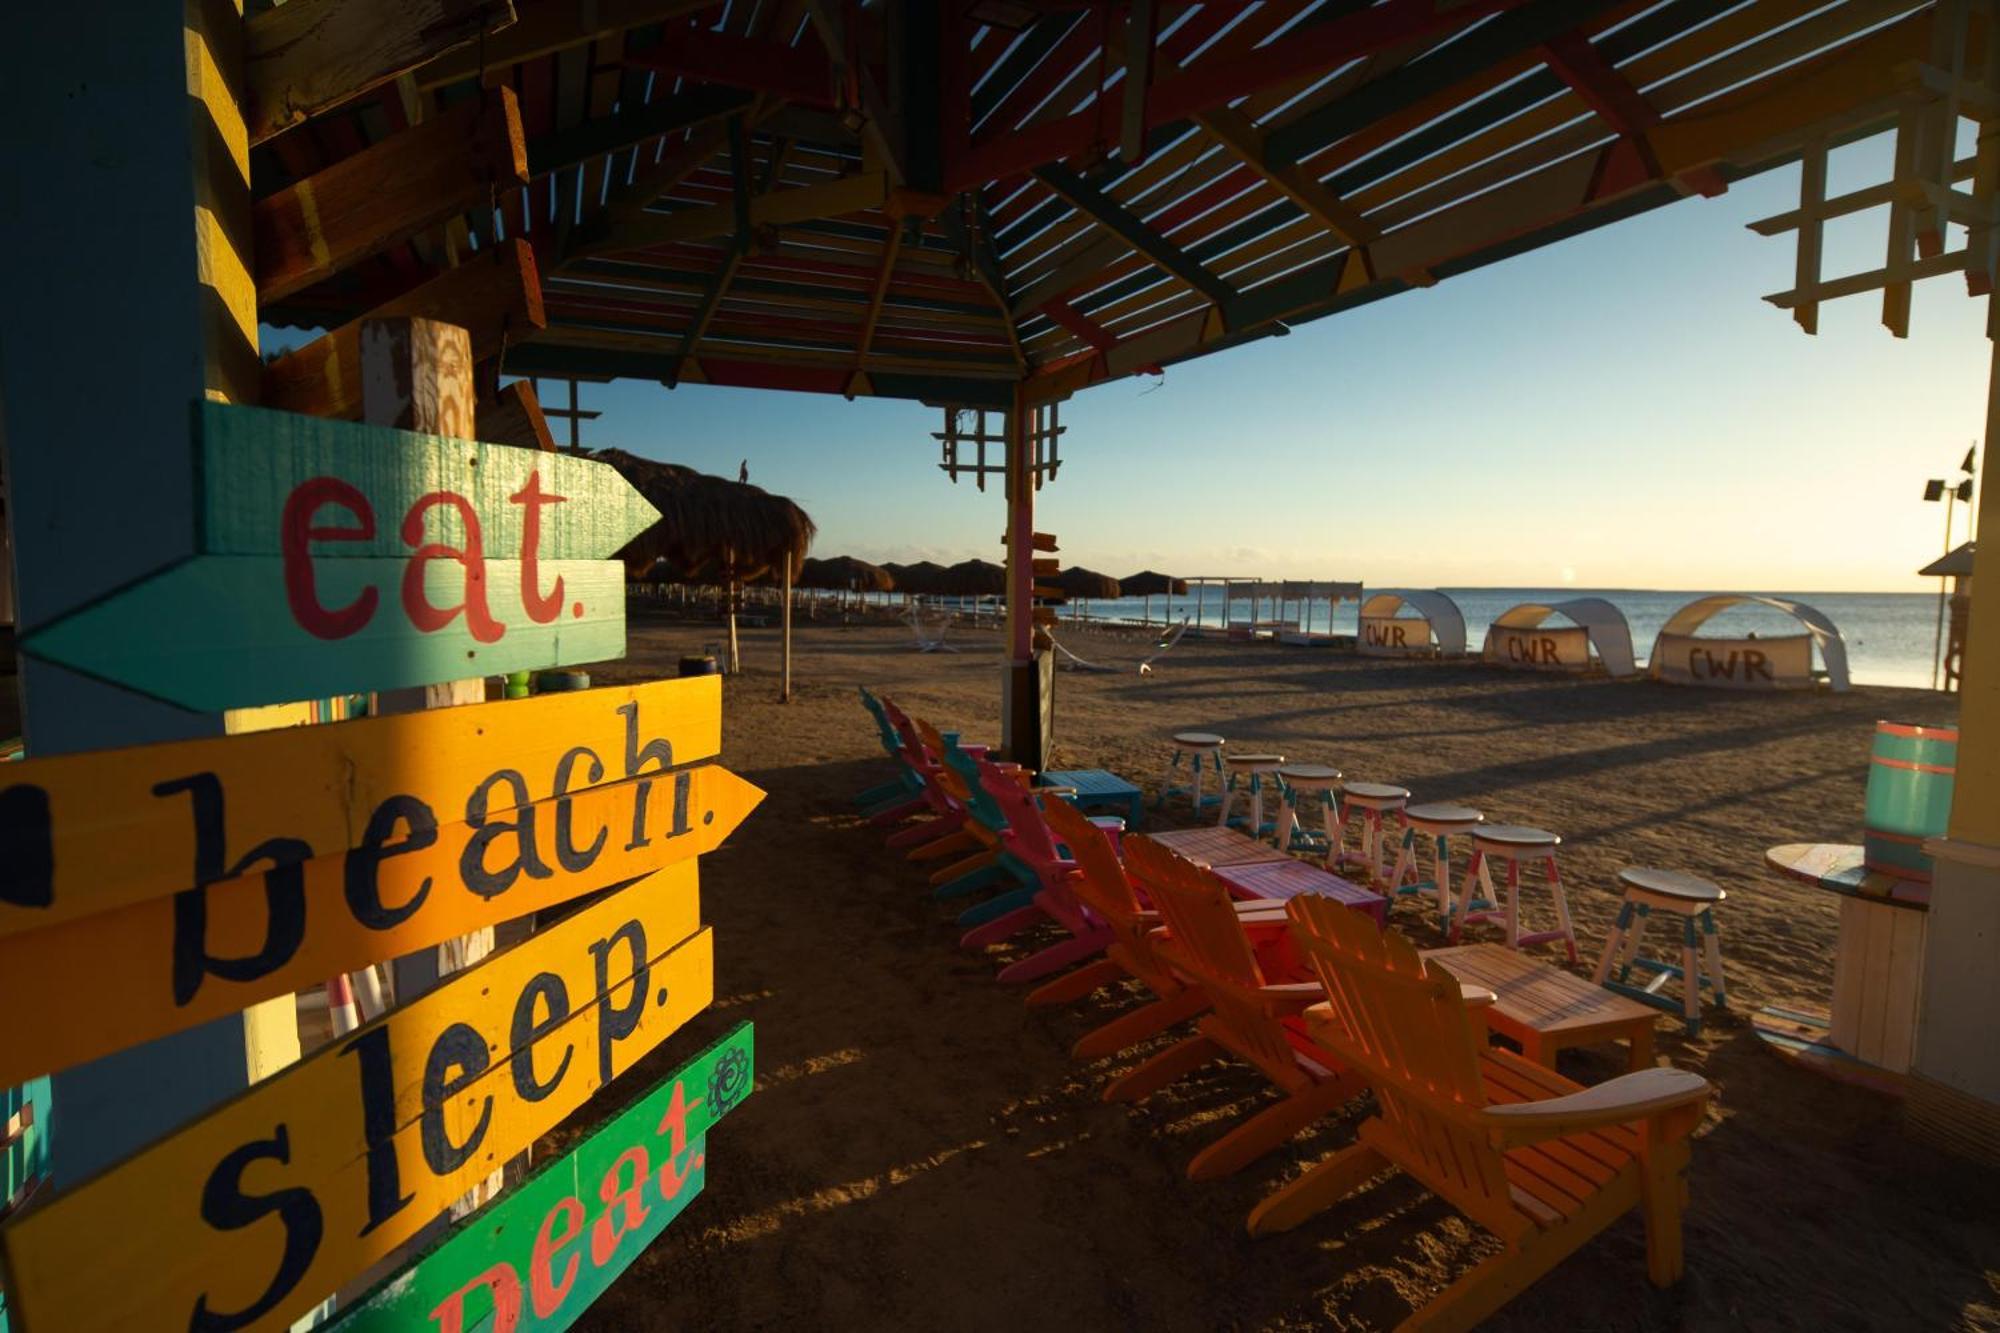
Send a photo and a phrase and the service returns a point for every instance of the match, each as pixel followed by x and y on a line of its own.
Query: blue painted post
pixel 131 303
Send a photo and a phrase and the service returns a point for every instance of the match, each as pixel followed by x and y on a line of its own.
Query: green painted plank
pixel 222 631
pixel 539 1255
pixel 253 462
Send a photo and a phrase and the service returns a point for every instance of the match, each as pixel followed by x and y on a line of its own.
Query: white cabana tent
pixel 1519 638
pixel 1384 633
pixel 1783 662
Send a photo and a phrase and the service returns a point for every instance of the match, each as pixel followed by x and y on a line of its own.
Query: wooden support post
pixel 1025 702
pixel 416 374
pixel 178 270
pixel 1954 1087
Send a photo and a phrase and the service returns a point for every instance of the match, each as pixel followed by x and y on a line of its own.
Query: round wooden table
pixel 1878 968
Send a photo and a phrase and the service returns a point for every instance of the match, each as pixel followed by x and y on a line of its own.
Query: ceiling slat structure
pixel 979 202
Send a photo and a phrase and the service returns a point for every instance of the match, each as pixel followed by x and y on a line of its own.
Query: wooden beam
pixel 798 74
pixel 857 89
pixel 497 297
pixel 301 58
pixel 623 214
pixel 1067 315
pixel 1141 27
pixel 546 27
pixel 514 416
pixel 836 198
pixel 1617 103
pixel 975 241
pixel 632 125
pixel 386 193
pixel 1121 222
pixel 1243 139
pixel 890 249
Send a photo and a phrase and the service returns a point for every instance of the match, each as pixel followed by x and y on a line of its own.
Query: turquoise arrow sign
pixel 335 558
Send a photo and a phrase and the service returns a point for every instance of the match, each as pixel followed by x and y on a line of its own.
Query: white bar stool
pixel 1203 750
pixel 1691 899
pixel 1254 767
pixel 1513 843
pixel 1439 824
pixel 1373 802
pixel 1307 784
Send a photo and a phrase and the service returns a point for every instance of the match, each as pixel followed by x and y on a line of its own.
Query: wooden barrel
pixel 561 682
pixel 1910 777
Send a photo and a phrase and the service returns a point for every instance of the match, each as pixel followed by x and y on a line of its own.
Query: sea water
pixel 1889 635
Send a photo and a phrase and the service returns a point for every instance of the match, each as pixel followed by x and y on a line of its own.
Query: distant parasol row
pixel 1597 637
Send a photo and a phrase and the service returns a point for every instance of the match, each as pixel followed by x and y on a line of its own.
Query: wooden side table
pixel 1544 1008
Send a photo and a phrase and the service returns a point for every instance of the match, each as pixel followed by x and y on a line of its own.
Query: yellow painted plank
pixel 85 833
pixel 213 951
pixel 249 1217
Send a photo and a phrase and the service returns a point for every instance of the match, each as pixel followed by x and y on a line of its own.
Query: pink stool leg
pixel 1562 907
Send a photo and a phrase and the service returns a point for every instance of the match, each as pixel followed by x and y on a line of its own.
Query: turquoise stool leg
pixel 1713 944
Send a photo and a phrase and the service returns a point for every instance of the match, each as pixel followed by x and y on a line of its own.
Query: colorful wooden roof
pixel 942 199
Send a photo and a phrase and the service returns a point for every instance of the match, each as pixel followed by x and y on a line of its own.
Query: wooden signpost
pixel 82 834
pixel 539 1256
pixel 216 950
pixel 334 557
pixel 255 1213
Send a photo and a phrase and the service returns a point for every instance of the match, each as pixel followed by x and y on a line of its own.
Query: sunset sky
pixel 1618 410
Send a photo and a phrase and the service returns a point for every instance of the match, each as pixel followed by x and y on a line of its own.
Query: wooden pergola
pixel 981 205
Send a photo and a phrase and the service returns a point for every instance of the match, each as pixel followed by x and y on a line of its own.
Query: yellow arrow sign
pixel 255 1213
pixel 207 952
pixel 81 834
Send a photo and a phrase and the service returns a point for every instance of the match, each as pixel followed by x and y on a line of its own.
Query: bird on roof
pixel 743 471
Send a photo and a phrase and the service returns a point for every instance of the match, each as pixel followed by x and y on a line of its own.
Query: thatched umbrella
pixel 1148 584
pixel 844 573
pixel 975 578
pixel 1081 584
pixel 923 579
pixel 738 529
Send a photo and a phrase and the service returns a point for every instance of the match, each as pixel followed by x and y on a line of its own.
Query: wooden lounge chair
pixel 1101 884
pixel 1251 1017
pixel 1541 1162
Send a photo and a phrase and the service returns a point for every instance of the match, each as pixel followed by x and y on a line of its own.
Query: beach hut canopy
pixel 1442 619
pixel 726 529
pixel 1146 583
pixel 974 578
pixel 1781 662
pixel 1517 637
pixel 844 573
pixel 1083 584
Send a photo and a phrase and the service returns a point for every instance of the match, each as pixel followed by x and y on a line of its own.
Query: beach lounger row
pixel 1306 985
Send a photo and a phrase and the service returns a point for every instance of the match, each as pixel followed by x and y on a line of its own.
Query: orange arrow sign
pixel 108 981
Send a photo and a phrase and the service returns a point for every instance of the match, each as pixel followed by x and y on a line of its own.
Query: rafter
pixel 1140 29
pixel 621 222
pixel 631 126
pixel 1121 222
pixel 545 29
pixel 1608 93
pixel 799 74
pixel 301 58
pixel 891 247
pixel 1235 132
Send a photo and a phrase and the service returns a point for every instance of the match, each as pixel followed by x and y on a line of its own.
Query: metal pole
pixel 785 653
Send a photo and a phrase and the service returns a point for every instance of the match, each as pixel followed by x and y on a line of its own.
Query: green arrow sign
pixel 335 558
pixel 536 1258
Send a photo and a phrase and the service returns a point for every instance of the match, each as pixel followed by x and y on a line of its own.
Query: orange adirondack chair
pixel 1101 884
pixel 1252 1018
pixel 1543 1163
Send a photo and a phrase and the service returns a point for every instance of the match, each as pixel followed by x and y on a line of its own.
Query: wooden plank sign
pixel 256 1212
pixel 216 950
pixel 537 1257
pixel 82 834
pixel 334 557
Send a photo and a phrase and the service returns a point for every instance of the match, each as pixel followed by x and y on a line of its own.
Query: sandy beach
pixel 921 1151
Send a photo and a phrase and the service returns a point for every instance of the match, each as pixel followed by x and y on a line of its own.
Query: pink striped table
pixel 1214 848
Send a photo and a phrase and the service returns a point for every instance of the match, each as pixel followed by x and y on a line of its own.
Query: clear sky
pixel 1618 410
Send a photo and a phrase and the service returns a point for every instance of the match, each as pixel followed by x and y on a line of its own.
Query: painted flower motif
pixel 729 1081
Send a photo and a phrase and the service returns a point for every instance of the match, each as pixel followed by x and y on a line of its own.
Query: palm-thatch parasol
pixel 844 573
pixel 923 579
pixel 1148 584
pixel 1088 583
pixel 737 530
pixel 975 578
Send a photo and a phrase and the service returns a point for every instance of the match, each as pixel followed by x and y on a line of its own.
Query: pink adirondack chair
pixel 1029 840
